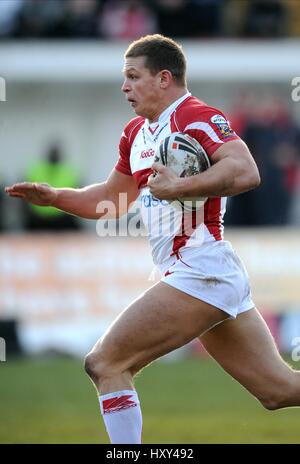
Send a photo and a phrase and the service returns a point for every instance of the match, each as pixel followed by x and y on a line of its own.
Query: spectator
pixel 9 10
pixel 207 18
pixel 293 7
pixel 42 19
pixel 243 110
pixel 82 18
pixel 273 139
pixel 175 17
pixel 266 18
pixel 53 170
pixel 127 19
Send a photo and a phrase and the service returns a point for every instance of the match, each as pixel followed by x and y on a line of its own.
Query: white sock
pixel 122 416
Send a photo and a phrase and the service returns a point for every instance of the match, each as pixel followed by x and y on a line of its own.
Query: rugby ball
pixel 186 157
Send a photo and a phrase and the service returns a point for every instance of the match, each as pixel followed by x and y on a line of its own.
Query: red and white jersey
pixel 170 229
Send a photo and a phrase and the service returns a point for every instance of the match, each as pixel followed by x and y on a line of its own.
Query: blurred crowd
pixel 129 19
pixel 273 136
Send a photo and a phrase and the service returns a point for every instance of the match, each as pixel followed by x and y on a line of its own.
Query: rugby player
pixel 204 289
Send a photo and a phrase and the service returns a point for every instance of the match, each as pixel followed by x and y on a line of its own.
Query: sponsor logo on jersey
pixel 222 124
pixel 147 153
pixel 149 201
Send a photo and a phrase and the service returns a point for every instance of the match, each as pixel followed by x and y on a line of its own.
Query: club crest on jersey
pixel 222 124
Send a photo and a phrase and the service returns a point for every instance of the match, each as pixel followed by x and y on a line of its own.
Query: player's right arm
pixel 93 201
pixel 84 202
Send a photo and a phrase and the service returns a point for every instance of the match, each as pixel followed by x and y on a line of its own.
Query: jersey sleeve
pixel 210 127
pixel 126 140
pixel 123 163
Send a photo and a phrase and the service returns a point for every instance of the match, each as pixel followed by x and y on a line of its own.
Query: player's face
pixel 142 89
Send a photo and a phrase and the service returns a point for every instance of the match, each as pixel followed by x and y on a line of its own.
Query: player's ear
pixel 165 77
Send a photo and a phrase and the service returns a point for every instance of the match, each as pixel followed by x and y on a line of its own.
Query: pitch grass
pixel 191 401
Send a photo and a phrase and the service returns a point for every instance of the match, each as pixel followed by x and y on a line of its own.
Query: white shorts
pixel 212 273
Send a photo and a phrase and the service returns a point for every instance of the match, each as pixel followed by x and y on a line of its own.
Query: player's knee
pixel 100 367
pixel 89 365
pixel 96 366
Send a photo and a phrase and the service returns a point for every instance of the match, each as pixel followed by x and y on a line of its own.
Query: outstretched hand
pixel 37 194
pixel 163 182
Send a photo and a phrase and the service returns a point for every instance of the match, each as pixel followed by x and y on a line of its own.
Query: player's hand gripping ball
pixel 186 157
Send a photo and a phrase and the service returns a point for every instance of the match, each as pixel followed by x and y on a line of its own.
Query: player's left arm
pixel 233 171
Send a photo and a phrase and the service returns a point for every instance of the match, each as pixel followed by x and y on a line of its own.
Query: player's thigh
pixel 245 348
pixel 159 321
